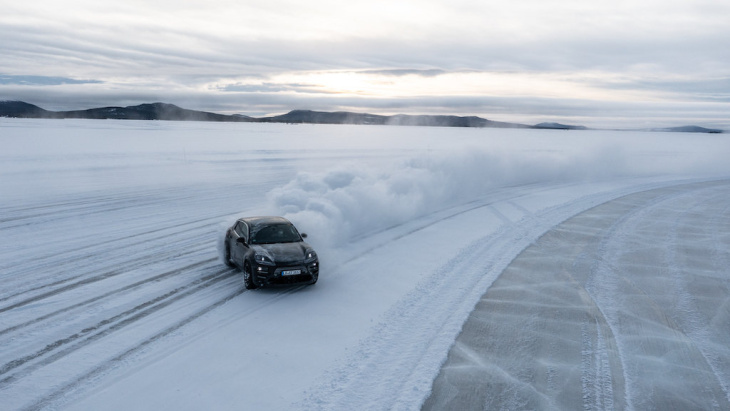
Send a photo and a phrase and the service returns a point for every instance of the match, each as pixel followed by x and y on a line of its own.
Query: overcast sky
pixel 596 63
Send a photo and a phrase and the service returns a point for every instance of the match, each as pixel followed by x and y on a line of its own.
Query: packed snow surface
pixel 601 259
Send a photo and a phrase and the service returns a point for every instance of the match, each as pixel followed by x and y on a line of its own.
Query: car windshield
pixel 277 233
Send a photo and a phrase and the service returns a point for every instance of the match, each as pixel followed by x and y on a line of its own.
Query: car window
pixel 242 230
pixel 277 233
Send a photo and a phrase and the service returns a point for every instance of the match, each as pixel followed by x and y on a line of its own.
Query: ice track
pixel 114 295
pixel 624 306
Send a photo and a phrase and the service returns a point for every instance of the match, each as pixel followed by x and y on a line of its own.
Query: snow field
pixel 113 284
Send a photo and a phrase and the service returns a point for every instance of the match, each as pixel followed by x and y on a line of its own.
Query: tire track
pixel 106 295
pixel 688 315
pixel 109 364
pixel 406 229
pixel 80 206
pixel 102 244
pixel 152 254
pixel 105 327
pixel 616 281
pixel 86 281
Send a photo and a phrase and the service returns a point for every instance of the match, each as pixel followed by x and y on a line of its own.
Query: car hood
pixel 283 252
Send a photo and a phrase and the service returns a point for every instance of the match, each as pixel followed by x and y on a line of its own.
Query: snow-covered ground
pixel 114 295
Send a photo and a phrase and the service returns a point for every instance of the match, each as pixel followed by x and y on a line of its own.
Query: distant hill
pixel 171 112
pixel 154 111
pixel 449 121
pixel 689 129
pixel 162 111
pixel 345 117
pixel 22 109
pixel 558 126
pixel 321 117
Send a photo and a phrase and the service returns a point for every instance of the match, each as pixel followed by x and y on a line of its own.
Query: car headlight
pixel 263 259
pixel 310 256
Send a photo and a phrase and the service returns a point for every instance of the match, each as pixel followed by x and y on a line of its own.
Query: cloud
pixel 252 57
pixel 685 87
pixel 42 80
pixel 275 88
pixel 406 72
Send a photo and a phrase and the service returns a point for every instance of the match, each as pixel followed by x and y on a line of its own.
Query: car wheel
pixel 248 277
pixel 314 279
pixel 227 255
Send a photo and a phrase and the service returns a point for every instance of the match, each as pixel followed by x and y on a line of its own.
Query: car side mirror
pixel 241 240
pixel 304 235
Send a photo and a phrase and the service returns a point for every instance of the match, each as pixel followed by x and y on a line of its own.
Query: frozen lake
pixel 597 262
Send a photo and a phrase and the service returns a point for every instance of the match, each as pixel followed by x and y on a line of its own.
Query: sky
pixel 638 63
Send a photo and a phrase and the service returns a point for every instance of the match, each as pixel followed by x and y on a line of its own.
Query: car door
pixel 238 249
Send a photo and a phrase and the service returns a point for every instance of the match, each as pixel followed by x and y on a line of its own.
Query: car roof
pixel 267 220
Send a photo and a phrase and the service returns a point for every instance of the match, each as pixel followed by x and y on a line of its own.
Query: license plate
pixel 291 272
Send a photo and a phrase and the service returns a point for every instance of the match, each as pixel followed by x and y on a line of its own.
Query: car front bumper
pixel 268 275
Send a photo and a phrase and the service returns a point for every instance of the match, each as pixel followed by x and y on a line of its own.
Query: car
pixel 270 251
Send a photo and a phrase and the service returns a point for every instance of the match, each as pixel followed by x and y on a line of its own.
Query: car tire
pixel 314 279
pixel 227 255
pixel 248 277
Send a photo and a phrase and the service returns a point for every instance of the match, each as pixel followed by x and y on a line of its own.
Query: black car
pixel 270 251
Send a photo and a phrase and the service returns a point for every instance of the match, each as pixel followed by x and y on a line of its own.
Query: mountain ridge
pixel 171 112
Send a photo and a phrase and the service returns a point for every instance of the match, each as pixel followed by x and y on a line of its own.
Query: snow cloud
pixel 351 200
